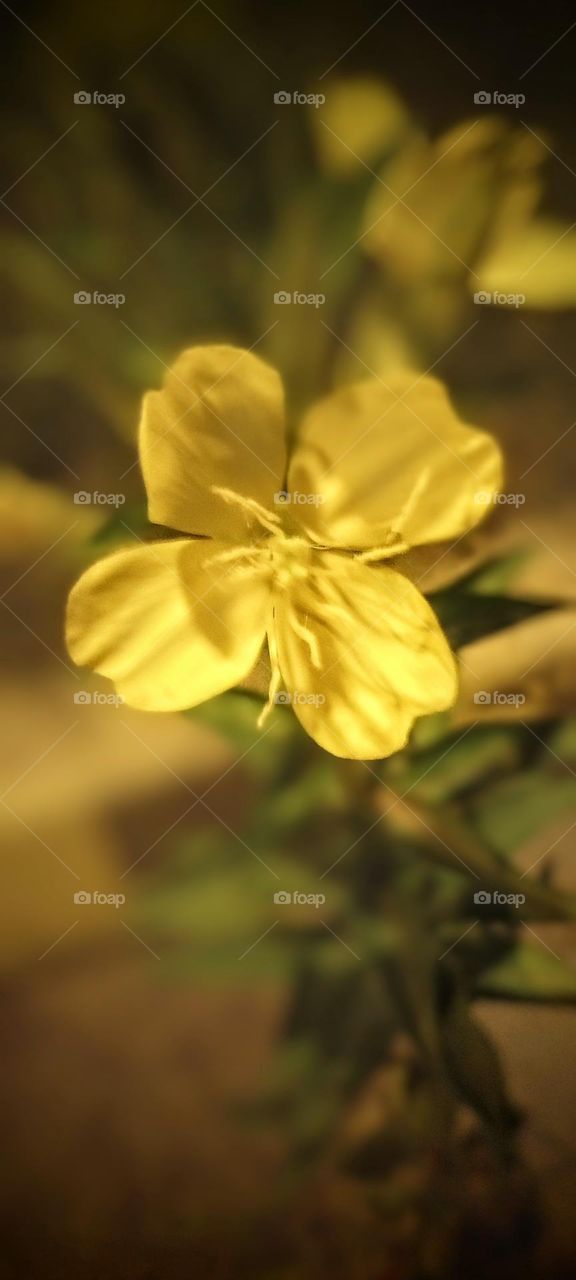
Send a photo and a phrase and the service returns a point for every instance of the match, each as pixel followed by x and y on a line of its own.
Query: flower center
pixel 283 560
pixel 281 557
pixel 290 559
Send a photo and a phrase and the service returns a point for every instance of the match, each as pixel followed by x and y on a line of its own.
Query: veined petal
pixel 374 459
pixel 219 421
pixel 170 628
pixel 377 657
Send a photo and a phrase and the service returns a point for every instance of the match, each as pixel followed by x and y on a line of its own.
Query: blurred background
pixel 194 1080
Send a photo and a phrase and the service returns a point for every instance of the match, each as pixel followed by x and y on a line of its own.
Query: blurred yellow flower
pixel 466 207
pixel 35 514
pixel 437 202
pixel 353 644
pixel 461 208
pixel 362 120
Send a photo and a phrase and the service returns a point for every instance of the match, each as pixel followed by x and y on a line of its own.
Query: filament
pixel 268 519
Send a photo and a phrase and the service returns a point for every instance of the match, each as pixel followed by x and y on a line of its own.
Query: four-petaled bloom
pixel 375 470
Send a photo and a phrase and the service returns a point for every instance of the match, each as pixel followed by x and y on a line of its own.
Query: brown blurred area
pixel 126 1153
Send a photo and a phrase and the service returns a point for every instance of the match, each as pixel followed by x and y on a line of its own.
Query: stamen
pixel 232 553
pixel 250 553
pixel 382 553
pixel 336 610
pixel 251 572
pixel 268 519
pixel 391 547
pixel 307 635
pixel 412 498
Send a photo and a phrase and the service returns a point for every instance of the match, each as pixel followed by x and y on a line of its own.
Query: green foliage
pixel 397 950
pixel 475 1071
pixel 530 972
pixel 466 615
pixel 520 807
pixel 448 768
pixel 217 900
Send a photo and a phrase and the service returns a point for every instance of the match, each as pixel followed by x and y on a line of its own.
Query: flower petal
pixel 429 214
pixel 218 421
pixel 372 458
pixel 383 659
pixel 535 262
pixel 167 626
pixel 362 120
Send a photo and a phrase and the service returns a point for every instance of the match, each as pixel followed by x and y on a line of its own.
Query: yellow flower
pixel 353 644
pixel 466 207
pixel 439 203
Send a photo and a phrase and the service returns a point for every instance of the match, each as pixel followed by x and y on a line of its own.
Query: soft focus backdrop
pixel 141 1037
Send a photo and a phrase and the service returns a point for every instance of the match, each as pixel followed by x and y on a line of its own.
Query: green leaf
pixel 129 522
pixel 517 808
pixel 529 972
pixel 310 798
pixel 443 834
pixel 563 739
pixel 235 715
pixel 410 978
pixel 496 576
pixel 474 1067
pixel 442 772
pixel 213 913
pixel 467 615
pixel 429 730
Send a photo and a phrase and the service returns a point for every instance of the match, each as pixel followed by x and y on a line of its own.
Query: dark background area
pixel 121 1157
